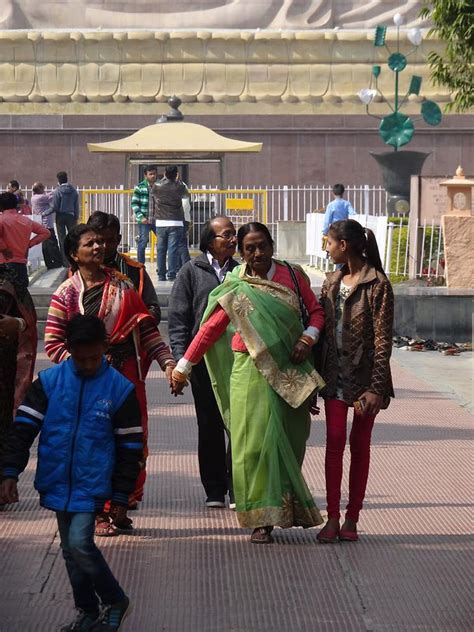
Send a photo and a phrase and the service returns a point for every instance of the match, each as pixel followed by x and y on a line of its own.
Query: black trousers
pixel 64 223
pixel 215 465
pixel 51 253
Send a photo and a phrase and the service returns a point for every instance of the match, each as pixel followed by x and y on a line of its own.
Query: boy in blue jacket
pixel 90 445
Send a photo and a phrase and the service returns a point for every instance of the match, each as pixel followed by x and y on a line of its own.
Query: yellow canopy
pixel 176 138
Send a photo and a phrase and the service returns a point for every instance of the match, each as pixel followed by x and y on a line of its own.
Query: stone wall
pixel 297 72
pixel 296 149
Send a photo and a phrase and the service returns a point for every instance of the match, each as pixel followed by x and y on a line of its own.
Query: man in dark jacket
pixel 65 204
pixel 108 227
pixel 90 446
pixel 188 301
pixel 167 209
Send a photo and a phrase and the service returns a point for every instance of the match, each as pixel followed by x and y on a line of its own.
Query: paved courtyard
pixel 192 569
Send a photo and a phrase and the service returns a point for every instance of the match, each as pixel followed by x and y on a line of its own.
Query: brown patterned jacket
pixel 366 334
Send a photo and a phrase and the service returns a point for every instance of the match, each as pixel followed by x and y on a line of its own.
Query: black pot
pixel 397 168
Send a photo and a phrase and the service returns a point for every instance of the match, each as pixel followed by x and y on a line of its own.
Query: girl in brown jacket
pixel 355 363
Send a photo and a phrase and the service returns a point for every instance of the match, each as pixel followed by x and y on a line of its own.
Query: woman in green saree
pixel 257 355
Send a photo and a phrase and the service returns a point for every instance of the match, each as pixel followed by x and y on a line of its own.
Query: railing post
pixel 388 253
pixel 285 203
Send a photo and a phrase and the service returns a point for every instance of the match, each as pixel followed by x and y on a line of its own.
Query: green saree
pixel 263 399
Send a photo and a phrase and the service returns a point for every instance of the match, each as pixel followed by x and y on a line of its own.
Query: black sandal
pixel 262 535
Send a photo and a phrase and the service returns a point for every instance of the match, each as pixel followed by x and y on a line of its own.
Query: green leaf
pixel 396 129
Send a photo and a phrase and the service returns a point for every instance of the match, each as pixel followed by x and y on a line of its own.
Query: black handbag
pixel 304 314
pixel 304 317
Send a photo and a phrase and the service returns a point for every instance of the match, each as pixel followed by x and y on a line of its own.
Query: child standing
pixel 90 445
pixel 338 209
pixel 355 363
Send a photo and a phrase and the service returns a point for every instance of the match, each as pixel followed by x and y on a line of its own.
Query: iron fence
pixel 274 204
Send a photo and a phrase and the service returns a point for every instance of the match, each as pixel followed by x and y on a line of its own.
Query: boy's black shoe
pixel 113 616
pixel 84 622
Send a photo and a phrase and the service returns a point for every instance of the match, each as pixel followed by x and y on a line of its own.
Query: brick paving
pixel 192 569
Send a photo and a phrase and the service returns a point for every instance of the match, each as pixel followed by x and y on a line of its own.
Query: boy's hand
pixel 9 491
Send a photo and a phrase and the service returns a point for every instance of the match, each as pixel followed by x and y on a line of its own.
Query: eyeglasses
pixel 228 236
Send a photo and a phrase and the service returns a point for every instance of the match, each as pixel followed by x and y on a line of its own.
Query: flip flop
pixel 104 528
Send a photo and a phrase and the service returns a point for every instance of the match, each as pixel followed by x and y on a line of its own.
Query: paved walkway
pixel 192 569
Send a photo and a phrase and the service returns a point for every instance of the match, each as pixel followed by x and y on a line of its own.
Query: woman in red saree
pixel 134 338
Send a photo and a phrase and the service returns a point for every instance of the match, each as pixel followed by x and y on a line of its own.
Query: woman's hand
pixel 300 353
pixel 373 403
pixel 9 328
pixel 169 372
pixel 178 382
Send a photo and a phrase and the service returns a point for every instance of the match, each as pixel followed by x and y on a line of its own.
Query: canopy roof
pixel 176 138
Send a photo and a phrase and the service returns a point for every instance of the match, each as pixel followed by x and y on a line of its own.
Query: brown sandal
pixel 104 527
pixel 262 535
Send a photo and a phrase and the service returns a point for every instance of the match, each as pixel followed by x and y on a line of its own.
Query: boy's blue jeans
pixel 90 576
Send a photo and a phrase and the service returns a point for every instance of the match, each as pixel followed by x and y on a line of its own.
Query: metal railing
pixel 425 260
pixel 273 204
pixel 240 205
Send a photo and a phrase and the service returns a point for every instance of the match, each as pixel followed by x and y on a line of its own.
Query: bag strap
pixel 294 278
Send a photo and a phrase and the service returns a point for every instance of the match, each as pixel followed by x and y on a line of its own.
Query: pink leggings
pixel 336 430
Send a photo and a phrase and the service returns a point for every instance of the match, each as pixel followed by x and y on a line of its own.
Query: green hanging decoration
pixel 397 129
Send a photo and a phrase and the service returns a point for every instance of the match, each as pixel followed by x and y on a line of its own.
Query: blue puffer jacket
pixel 76 452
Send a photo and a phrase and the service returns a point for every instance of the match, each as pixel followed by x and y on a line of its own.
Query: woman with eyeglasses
pixel 257 352
pixel 188 302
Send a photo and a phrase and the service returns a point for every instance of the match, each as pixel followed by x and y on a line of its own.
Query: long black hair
pixel 252 227
pixel 361 240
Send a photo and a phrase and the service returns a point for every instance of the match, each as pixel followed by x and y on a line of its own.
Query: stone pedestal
pixel 458 232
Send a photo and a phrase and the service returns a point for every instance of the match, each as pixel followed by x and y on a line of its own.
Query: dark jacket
pixel 90 442
pixel 140 278
pixel 367 336
pixel 65 200
pixel 188 301
pixel 167 196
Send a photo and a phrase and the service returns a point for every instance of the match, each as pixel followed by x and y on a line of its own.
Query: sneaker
pixel 83 622
pixel 113 616
pixel 216 503
pixel 231 501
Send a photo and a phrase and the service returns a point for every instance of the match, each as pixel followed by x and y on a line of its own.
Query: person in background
pixel 23 205
pixel 263 381
pixel 167 208
pixel 355 364
pixel 15 237
pixel 338 209
pixel 87 417
pixel 108 227
pixel 65 203
pixel 40 203
pixel 141 210
pixel 18 341
pixel 187 303
pixel 184 245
